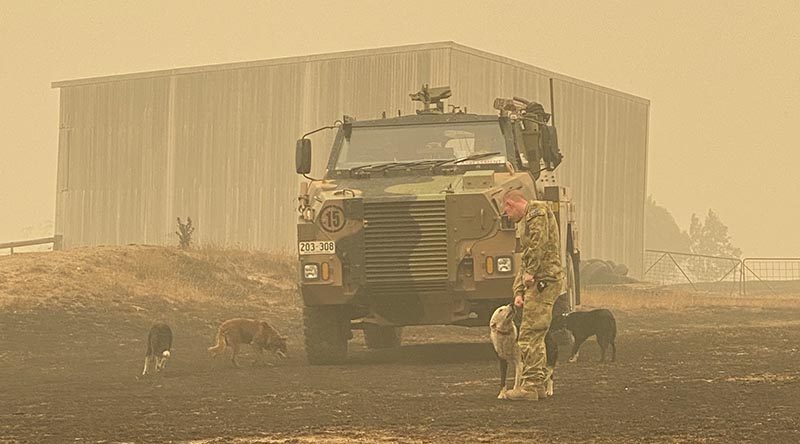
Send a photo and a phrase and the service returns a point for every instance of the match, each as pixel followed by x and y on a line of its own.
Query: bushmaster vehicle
pixel 406 227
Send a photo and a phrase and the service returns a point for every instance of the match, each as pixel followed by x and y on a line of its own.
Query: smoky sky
pixel 723 79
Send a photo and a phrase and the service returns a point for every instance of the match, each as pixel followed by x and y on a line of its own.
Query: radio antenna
pixel 552 105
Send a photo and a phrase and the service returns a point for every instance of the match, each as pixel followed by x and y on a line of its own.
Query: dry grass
pixel 129 273
pixel 641 297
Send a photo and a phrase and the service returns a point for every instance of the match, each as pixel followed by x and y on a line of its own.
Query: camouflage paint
pixel 403 255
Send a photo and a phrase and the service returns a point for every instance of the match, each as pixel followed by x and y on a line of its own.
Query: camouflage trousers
pixel 537 313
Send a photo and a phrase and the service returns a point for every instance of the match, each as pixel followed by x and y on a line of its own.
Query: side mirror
pixel 303 156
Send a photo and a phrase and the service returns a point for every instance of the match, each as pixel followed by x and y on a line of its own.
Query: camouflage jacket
pixel 541 248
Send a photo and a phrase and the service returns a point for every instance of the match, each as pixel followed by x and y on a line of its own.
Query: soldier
pixel 538 283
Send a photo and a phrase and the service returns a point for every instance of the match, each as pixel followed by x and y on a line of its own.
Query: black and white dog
pixel 585 324
pixel 503 331
pixel 159 343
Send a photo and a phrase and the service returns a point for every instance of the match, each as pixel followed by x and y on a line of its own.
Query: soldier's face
pixel 513 209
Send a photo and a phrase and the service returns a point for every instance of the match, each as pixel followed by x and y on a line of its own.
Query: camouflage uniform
pixel 541 258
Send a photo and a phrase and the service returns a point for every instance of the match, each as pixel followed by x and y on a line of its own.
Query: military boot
pixel 542 392
pixel 523 393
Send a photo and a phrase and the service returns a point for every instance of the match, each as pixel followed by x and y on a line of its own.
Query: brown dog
pixel 259 334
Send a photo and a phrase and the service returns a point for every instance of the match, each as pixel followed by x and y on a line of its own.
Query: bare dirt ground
pixel 691 368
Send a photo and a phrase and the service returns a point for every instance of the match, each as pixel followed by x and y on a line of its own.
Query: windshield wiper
pixel 464 159
pixel 410 164
pixel 434 163
pixel 361 168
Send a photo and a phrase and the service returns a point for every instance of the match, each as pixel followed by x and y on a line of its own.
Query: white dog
pixel 503 333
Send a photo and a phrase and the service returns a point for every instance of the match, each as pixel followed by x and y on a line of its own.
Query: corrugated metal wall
pixel 112 163
pixel 217 143
pixel 214 145
pixel 604 137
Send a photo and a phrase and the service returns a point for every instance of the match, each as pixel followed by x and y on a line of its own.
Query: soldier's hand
pixel 519 301
pixel 527 279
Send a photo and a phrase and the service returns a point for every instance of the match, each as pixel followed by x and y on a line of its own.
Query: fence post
pixel 742 281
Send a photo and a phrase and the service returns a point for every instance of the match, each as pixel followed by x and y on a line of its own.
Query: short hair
pixel 514 194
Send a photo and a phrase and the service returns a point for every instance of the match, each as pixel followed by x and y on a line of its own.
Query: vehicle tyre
pixel 382 337
pixel 326 329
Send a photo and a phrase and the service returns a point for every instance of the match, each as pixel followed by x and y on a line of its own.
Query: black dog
pixel 159 342
pixel 585 324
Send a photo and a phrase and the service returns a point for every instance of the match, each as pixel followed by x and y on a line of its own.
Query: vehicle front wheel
pixel 327 329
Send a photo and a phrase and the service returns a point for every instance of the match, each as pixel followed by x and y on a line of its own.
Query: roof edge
pixel 255 63
pixel 548 73
pixel 346 54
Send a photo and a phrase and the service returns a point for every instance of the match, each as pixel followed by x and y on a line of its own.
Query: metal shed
pixel 216 143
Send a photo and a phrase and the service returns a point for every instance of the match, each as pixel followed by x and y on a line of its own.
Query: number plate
pixel 316 247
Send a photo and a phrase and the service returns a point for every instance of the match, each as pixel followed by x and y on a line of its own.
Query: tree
pixel 661 230
pixel 711 237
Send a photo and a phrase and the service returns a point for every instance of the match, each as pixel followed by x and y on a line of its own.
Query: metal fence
pixel 696 270
pixel 770 274
pixel 10 246
pixel 725 274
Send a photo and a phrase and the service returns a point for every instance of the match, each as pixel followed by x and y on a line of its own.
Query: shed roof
pixel 342 55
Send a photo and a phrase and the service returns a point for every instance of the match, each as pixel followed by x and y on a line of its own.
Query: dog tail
pixel 220 345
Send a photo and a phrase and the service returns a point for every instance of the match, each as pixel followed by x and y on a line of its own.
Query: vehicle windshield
pixel 414 143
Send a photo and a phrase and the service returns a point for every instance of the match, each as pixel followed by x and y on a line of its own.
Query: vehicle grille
pixel 405 246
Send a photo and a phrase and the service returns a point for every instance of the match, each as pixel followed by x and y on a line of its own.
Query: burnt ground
pixel 711 375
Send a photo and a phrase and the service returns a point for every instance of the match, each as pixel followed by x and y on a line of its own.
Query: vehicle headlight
pixel 503 264
pixel 311 271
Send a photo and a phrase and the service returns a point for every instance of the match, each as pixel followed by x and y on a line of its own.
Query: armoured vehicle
pixel 406 227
